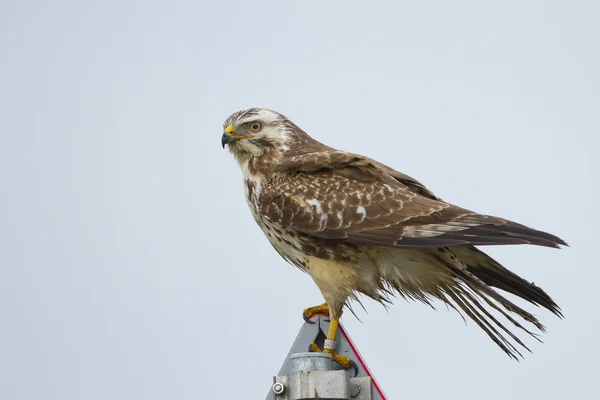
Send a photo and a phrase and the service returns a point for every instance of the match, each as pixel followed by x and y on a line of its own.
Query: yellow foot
pixel 312 311
pixel 342 360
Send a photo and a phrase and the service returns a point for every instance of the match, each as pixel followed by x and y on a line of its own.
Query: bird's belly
pixel 284 241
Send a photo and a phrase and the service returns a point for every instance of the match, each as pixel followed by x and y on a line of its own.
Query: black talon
pixel 307 320
pixel 354 366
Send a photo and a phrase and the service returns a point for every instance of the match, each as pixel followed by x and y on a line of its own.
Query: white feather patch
pixel 361 210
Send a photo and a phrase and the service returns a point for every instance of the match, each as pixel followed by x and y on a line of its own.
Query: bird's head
pixel 253 132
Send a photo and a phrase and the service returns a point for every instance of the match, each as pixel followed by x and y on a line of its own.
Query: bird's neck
pixel 262 166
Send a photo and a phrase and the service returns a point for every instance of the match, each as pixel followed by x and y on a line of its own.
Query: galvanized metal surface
pixel 361 386
pixel 305 385
pixel 311 362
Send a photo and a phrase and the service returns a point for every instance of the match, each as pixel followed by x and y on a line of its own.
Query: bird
pixel 360 228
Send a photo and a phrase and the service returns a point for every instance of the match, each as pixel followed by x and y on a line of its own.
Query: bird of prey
pixel 357 226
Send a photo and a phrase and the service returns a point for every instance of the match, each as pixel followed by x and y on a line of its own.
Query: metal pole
pixel 313 377
pixel 305 376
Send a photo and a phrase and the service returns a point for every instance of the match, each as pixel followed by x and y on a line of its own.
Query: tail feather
pixel 484 324
pixel 465 278
pixel 492 273
pixel 472 285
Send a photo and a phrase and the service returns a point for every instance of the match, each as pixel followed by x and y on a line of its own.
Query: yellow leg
pixel 312 311
pixel 331 335
pixel 332 332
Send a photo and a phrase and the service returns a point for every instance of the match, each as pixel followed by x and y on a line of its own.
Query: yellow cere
pixel 229 130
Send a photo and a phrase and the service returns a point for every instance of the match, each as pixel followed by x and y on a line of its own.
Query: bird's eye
pixel 255 127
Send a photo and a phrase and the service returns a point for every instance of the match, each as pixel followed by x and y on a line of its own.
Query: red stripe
pixel 362 362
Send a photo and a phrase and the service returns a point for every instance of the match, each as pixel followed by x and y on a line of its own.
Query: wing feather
pixel 338 195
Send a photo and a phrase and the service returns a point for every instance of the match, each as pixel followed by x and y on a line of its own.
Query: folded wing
pixel 358 200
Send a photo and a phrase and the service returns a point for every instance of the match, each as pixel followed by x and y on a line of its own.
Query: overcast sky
pixel 130 267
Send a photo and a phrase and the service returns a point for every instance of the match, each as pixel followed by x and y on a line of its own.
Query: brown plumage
pixel 358 226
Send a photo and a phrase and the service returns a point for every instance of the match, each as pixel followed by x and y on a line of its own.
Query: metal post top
pixel 310 355
pixel 314 375
pixel 311 362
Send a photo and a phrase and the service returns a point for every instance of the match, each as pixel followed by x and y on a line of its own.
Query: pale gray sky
pixel 130 267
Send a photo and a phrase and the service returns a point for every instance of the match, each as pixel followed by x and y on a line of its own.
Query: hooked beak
pixel 229 136
pixel 226 139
